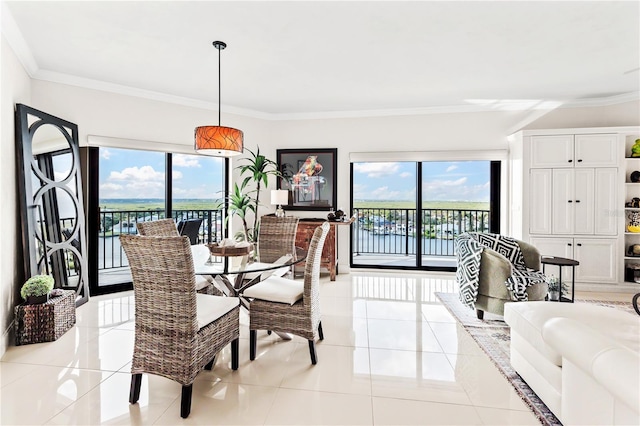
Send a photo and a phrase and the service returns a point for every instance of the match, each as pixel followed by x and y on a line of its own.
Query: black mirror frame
pixel 28 207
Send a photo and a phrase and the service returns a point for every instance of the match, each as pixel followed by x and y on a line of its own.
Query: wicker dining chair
pixel 178 332
pixel 158 228
pixel 168 228
pixel 276 236
pixel 289 306
pixel 276 240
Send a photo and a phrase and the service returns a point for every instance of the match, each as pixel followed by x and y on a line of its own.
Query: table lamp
pixel 279 197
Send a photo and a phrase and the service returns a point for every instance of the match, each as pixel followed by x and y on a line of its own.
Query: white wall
pixel 15 88
pixel 112 115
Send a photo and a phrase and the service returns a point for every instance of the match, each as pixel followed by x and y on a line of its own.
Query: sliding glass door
pixel 129 186
pixel 410 212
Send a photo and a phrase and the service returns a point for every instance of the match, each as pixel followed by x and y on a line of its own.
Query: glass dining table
pixel 234 274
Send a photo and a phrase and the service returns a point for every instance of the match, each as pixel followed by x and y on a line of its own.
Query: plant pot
pixel 36 300
pixel 554 295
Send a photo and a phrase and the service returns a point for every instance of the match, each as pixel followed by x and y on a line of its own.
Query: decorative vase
pixel 554 295
pixel 36 300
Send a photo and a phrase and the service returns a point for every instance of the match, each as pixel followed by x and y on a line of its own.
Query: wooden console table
pixel 329 258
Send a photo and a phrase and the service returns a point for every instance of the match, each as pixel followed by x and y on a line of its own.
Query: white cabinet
pixel 589 150
pixel 572 201
pixel 598 257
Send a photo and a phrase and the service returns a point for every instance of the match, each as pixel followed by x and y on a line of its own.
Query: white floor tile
pixel 402 335
pixel 45 392
pixel 300 407
pixel 339 369
pixel 389 411
pixel 392 354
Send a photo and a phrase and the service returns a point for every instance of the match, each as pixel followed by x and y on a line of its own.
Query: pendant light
pixel 219 141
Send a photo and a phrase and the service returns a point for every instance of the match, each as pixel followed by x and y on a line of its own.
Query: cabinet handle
pixel 570 161
pixel 569 244
pixel 577 201
pixel 580 161
pixel 579 245
pixel 569 201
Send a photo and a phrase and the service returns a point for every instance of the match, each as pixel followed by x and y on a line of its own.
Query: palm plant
pixel 258 168
pixel 239 204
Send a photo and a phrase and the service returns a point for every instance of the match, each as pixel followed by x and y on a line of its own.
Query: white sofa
pixel 582 360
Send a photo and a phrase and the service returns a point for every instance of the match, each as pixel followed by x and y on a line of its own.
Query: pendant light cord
pixel 219 88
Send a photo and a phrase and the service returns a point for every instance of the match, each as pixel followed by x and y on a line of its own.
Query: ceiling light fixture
pixel 219 141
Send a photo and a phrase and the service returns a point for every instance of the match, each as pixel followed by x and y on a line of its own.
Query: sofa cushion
pixel 614 367
pixel 528 319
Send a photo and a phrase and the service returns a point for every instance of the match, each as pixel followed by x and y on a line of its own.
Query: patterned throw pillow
pixel 506 246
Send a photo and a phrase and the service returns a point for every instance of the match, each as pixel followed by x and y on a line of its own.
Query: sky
pixel 441 181
pixel 140 174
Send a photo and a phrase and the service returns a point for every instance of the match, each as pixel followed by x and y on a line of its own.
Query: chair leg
pixel 312 352
pixel 209 366
pixel 235 349
pixel 320 330
pixel 185 402
pixel 480 314
pixel 134 392
pixel 253 337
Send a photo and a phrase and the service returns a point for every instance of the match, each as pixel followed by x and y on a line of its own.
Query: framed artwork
pixel 310 177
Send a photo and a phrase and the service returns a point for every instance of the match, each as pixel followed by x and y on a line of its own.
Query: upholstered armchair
pixel 500 259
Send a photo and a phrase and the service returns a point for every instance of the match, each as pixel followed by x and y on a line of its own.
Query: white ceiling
pixel 312 58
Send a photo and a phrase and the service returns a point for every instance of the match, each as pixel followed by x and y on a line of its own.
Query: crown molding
pixel 87 83
pixel 16 41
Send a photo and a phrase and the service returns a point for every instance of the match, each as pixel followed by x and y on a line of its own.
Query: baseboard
pixel 625 287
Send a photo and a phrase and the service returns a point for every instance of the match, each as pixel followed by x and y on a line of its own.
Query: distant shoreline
pixel 153 204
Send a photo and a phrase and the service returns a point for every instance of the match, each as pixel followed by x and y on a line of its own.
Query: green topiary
pixel 38 285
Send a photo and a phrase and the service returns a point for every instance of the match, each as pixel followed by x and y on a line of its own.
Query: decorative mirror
pixel 52 211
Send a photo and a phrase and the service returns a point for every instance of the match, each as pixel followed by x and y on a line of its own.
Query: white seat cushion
pixel 277 289
pixel 203 281
pixel 210 308
pixel 278 272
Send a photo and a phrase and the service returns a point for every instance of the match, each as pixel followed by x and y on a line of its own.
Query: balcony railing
pixel 378 231
pixel 393 231
pixel 114 223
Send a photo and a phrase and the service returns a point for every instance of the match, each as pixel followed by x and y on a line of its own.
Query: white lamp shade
pixel 279 197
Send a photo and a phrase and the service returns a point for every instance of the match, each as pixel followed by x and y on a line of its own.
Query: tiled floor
pixel 391 355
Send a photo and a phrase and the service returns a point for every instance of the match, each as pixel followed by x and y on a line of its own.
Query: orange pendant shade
pixel 219 141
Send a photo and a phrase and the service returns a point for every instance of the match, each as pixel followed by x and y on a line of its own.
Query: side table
pixel 45 322
pixel 561 262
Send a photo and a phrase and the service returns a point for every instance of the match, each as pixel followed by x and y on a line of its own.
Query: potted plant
pixel 36 289
pixel 556 288
pixel 256 172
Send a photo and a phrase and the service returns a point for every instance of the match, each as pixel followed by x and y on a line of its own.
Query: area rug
pixel 493 335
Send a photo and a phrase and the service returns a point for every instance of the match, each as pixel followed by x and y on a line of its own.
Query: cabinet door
pixel 562 218
pixel 540 193
pixel 598 150
pixel 551 151
pixel 598 260
pixel 561 247
pixel 583 202
pixel 605 201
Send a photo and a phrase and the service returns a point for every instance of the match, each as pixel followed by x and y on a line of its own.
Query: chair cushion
pixel 210 308
pixel 278 272
pixel 203 281
pixel 277 289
